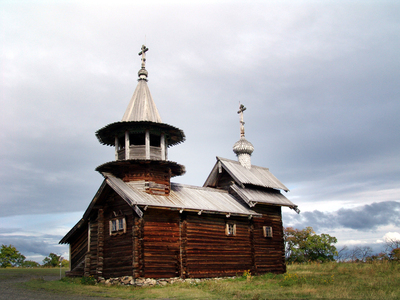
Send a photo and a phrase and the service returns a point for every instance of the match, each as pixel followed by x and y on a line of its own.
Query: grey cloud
pixel 370 216
pixel 34 245
pixel 366 217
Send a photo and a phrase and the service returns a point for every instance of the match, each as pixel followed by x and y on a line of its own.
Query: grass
pixel 378 280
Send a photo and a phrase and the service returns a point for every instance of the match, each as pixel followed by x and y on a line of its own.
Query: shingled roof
pixel 257 196
pixel 142 106
pixel 256 176
pixel 185 197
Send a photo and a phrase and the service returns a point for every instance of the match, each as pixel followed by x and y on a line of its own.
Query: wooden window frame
pixel 230 229
pixel 267 231
pixel 120 225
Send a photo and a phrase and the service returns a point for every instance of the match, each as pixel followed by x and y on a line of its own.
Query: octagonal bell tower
pixel 141 142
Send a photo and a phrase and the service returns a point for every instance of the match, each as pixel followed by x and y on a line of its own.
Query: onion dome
pixel 243 146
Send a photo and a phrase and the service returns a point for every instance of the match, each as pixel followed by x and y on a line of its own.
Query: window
pixel 155 140
pixel 230 229
pixel 267 230
pixel 117 226
pixel 137 138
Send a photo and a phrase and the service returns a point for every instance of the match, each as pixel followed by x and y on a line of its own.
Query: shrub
pixel 88 280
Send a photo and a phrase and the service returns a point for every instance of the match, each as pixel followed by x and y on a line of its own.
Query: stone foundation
pixel 144 282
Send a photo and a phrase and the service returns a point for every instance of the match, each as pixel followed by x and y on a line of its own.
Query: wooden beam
pixel 116 147
pixel 100 244
pixel 147 144
pixel 163 147
pixel 127 145
pixel 138 211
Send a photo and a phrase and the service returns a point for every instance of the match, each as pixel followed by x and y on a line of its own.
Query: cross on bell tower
pixel 143 72
pixel 143 54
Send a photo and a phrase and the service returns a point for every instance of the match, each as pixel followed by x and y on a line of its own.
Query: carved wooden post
pixel 116 147
pixel 147 144
pixel 100 244
pixel 253 254
pixel 163 147
pixel 138 263
pixel 86 269
pixel 135 250
pixel 127 145
pixel 182 246
pixel 141 247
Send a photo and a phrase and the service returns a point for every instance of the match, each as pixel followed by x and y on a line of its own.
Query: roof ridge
pixel 198 187
pixel 238 163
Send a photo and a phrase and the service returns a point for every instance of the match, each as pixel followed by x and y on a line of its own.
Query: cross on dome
pixel 243 148
pixel 241 110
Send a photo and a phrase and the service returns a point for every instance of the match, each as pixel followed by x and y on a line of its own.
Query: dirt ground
pixel 12 289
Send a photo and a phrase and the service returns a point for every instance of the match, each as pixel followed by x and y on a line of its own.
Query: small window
pixel 267 230
pixel 230 229
pixel 137 139
pixel 155 140
pixel 117 226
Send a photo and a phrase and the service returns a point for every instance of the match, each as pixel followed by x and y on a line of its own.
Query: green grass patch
pixel 380 280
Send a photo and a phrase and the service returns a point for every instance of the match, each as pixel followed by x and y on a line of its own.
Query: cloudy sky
pixel 320 80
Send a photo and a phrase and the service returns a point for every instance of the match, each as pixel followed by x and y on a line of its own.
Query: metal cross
pixel 241 110
pixel 143 54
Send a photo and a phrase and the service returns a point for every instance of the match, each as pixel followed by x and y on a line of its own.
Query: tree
pixel 65 263
pixel 305 245
pixel 52 260
pixel 355 254
pixel 395 254
pixel 393 248
pixel 342 254
pixel 391 244
pixel 30 264
pixel 378 257
pixel 365 252
pixel 10 257
pixel 293 239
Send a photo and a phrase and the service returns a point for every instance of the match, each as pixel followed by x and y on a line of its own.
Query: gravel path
pixel 12 289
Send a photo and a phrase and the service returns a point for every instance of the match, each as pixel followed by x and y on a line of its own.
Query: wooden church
pixel 141 224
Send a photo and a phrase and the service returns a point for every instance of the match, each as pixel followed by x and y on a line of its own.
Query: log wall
pixel 160 250
pixel 166 243
pixel 210 252
pixel 269 253
pixel 118 248
pixel 92 268
pixel 79 248
pixel 158 178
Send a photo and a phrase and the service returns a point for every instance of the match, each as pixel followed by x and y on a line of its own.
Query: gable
pixel 102 196
pixel 242 176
